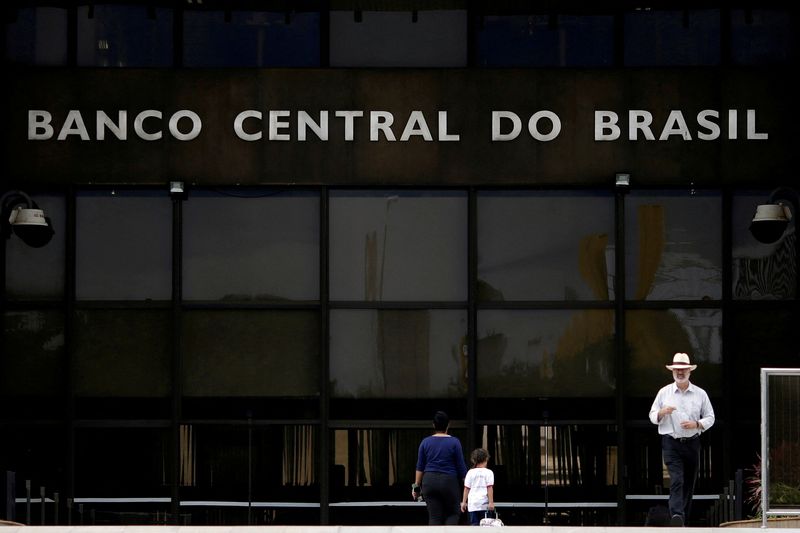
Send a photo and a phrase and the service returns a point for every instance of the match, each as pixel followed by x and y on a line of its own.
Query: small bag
pixel 491 522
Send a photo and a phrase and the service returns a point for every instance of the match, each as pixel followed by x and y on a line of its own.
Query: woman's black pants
pixel 442 493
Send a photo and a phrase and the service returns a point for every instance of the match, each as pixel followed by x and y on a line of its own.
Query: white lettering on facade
pixel 606 125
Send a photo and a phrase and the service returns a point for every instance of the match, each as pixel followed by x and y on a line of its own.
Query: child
pixel 478 487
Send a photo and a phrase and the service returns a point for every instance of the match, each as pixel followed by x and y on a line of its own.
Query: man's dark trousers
pixel 681 457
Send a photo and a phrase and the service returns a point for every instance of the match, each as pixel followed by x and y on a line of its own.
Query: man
pixel 682 411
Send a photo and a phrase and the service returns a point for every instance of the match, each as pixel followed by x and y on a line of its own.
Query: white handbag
pixel 486 521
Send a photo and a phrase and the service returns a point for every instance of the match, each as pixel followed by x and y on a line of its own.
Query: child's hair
pixel 478 456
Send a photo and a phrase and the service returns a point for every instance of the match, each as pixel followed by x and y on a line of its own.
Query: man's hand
pixel 664 411
pixel 690 424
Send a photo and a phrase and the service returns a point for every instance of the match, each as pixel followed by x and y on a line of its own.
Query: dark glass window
pixel 673 246
pixel 672 38
pixel 32 363
pixel 398 246
pixel 398 354
pixel 278 462
pixel 763 37
pixel 653 336
pixel 124 36
pixel 251 39
pixel 38 273
pixel 526 458
pixel 124 245
pixel 545 41
pixel 122 463
pixel 232 353
pixel 37 36
pixel 436 38
pixel 35 453
pixel 251 246
pixel 531 354
pixel 122 353
pixel 545 246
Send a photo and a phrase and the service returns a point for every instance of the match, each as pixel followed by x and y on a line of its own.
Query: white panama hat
pixel 680 361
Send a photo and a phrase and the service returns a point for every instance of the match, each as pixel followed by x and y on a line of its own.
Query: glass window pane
pixel 544 40
pixel 262 246
pixel 759 340
pixel 398 354
pixel 673 246
pixel 119 463
pixel 122 353
pixel 654 336
pixel 251 39
pixel 373 463
pixel 280 461
pixel 761 271
pixel 545 246
pixel 546 353
pixel 38 273
pixel 436 38
pixel 251 353
pixel 762 37
pixel 124 36
pixel 124 245
pixel 662 38
pixel 398 246
pixel 38 36
pixel 35 452
pixel 525 457
pixel 32 363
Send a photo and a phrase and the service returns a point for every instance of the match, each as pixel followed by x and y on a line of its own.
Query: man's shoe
pixel 676 521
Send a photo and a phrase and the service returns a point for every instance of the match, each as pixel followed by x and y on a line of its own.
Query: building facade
pixel 287 233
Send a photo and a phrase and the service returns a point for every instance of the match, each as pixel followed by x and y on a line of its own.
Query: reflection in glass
pixel 673 246
pixel 654 336
pixel 124 36
pixel 545 41
pixel 437 38
pixel 662 37
pixel 124 245
pixel 251 353
pixel 761 271
pixel 398 246
pixel 32 363
pixel 38 273
pixel 545 353
pixel 251 245
pixel 251 39
pixel 545 246
pixel 398 354
pixel 122 353
pixel 578 456
pixel 376 458
pixel 279 462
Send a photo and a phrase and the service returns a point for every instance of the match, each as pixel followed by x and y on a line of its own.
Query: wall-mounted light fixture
pixel 622 179
pixel 22 217
pixel 771 219
pixel 177 189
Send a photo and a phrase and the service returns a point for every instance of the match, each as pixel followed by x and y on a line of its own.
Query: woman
pixel 440 470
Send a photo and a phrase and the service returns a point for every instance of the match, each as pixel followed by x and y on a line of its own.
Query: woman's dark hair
pixel 441 421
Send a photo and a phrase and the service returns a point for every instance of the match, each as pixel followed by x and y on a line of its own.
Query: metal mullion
pixel 325 451
pixel 472 317
pixel 619 333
